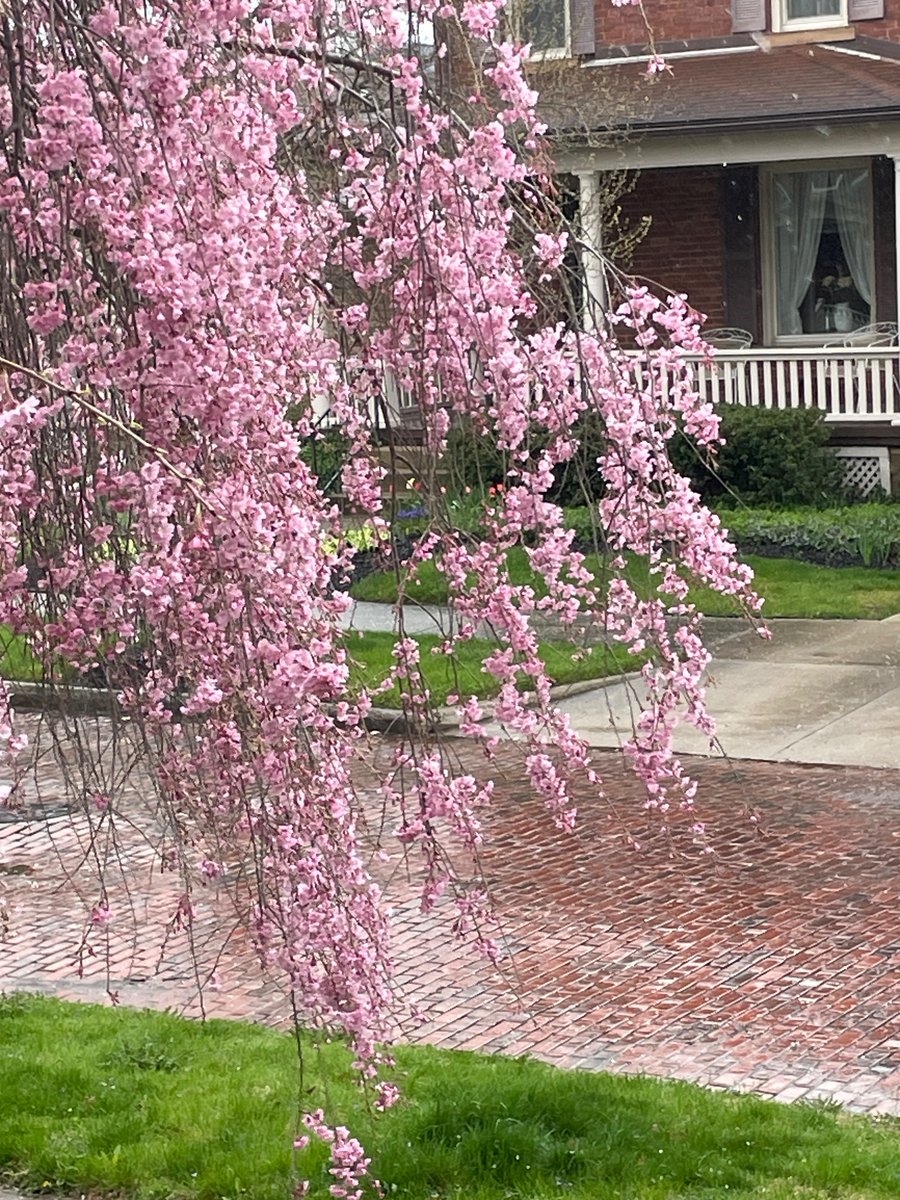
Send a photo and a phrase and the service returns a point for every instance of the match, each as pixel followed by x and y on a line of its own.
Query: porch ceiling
pixel 788 87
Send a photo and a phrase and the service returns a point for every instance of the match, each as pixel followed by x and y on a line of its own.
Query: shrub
pixel 325 453
pixel 476 462
pixel 771 457
pixel 853 535
pixel 866 533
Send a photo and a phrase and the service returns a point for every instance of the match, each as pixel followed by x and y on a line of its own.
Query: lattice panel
pixel 866 470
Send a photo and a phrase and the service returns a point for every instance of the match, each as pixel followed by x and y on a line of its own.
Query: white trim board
pixel 622 60
pixel 702 150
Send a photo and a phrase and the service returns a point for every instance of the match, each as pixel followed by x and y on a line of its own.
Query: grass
pixel 444 675
pixel 116 1102
pixel 462 673
pixel 797 589
pixel 790 588
pixel 16 660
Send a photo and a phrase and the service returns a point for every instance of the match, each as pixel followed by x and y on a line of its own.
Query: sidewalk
pixel 819 692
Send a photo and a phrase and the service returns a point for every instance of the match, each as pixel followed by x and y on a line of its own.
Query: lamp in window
pixel 840 298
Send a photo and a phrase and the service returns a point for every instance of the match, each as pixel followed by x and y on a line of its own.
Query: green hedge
pixel 771 457
pixel 776 458
pixel 852 535
pixel 325 453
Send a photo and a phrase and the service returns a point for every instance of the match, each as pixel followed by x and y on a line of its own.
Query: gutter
pixel 736 124
pixel 668 56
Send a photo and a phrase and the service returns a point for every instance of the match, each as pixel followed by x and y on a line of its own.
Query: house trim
pixel 554 54
pixel 823 140
pixel 806 37
pixel 669 55
pixel 854 50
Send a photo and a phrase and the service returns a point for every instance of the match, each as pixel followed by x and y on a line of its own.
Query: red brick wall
pixel 670 20
pixel 683 248
pixel 690 20
pixel 676 20
pixel 888 27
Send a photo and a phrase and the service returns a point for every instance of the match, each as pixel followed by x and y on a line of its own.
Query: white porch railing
pixel 400 405
pixel 858 384
pixel 848 384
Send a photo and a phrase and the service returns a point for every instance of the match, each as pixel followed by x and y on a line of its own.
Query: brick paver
pixel 771 965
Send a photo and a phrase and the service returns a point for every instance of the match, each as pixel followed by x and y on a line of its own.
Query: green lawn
pixel 797 589
pixel 104 1101
pixel 462 673
pixel 16 660
pixel 791 588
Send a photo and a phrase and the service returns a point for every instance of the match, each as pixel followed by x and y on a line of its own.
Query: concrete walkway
pixel 819 692
pixel 382 618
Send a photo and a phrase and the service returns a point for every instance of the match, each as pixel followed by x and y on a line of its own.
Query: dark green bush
pixel 776 458
pixel 772 457
pixel 474 461
pixel 325 454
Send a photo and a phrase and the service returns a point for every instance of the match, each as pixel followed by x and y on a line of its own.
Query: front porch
pixel 858 390
pixel 772 180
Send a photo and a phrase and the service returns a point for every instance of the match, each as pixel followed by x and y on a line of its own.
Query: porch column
pixel 591 261
pixel 896 159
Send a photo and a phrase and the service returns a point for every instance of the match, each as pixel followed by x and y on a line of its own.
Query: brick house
pixel 769 160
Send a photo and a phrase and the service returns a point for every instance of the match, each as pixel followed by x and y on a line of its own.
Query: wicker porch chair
pixel 727 338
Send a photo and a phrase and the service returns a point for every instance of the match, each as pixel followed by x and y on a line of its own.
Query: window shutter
pixel 748 16
pixel 885 243
pixel 581 17
pixel 866 10
pixel 740 229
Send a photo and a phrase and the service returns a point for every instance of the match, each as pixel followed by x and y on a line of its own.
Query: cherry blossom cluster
pixel 224 224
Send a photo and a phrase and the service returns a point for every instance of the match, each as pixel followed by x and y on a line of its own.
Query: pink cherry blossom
pixel 225 226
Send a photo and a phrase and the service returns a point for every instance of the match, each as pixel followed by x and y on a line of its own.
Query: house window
pixel 544 24
pixel 820 251
pixel 808 14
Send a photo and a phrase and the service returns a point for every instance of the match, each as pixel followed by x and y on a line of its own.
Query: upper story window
pixel 544 24
pixel 789 15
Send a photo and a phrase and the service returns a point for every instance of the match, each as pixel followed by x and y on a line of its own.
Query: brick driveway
pixel 772 965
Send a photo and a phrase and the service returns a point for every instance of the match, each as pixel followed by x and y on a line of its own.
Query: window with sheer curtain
pixel 544 24
pixel 808 14
pixel 821 251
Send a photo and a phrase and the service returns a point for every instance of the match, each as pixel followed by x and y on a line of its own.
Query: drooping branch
pixel 197 294
pixel 104 418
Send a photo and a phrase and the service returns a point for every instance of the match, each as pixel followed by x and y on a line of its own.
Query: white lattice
pixel 866 468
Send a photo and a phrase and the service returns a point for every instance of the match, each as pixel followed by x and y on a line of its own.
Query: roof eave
pixel 730 125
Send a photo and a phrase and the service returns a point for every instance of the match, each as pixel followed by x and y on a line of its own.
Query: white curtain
pixel 799 214
pixel 798 9
pixel 853 210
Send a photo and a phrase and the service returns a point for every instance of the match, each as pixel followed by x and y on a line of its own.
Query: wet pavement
pixel 771 965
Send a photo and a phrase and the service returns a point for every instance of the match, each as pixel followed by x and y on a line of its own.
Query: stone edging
pixel 93 702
